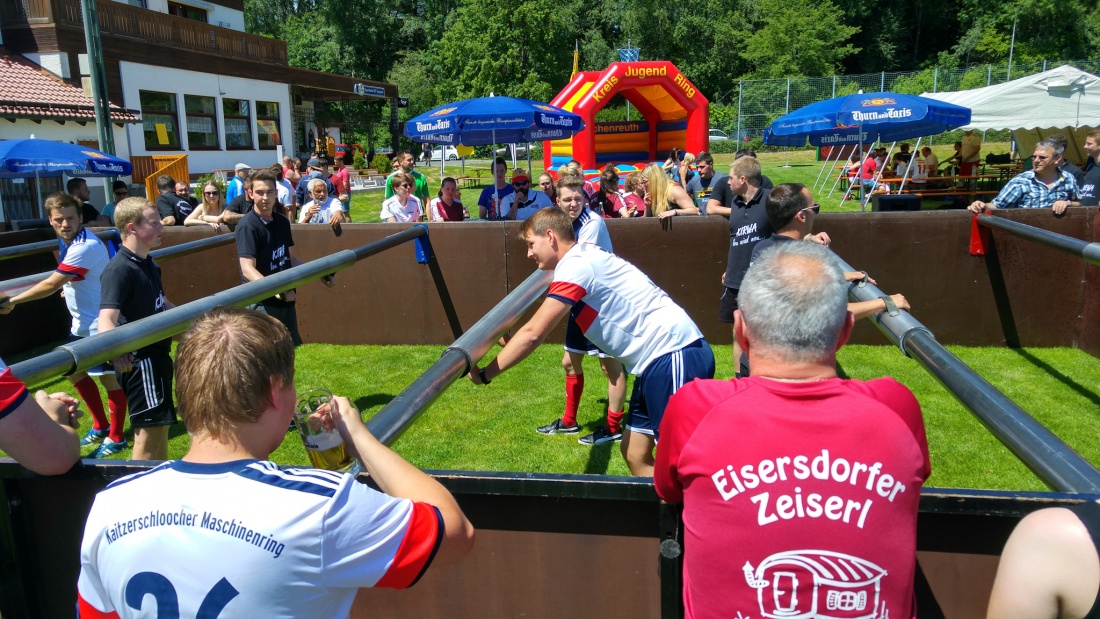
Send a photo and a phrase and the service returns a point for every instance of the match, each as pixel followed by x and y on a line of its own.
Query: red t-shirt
pixel 341 181
pixel 869 167
pixel 799 498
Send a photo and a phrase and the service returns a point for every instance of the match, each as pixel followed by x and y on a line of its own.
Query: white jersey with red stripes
pixel 247 539
pixel 84 260
pixel 589 227
pixel 619 308
pixel 12 391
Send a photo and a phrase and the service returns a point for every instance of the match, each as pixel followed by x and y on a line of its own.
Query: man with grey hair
pixel 794 468
pixel 1043 186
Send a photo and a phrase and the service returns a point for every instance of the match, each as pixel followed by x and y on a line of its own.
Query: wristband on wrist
pixel 481 375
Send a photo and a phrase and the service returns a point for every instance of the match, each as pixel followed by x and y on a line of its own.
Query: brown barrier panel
pixel 390 299
pixel 569 546
pixel 1089 339
pixel 925 256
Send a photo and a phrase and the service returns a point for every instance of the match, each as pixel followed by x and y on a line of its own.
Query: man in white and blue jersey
pixel 623 313
pixel 224 533
pixel 82 258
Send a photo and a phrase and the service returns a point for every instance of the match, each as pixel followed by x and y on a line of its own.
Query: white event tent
pixel 1062 100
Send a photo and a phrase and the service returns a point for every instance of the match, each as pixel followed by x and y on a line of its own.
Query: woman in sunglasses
pixel 209 212
pixel 402 206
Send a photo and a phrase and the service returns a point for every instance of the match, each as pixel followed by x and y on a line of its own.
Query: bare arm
pixel 230 218
pixel 168 221
pixel 108 319
pixel 198 217
pixel 44 288
pixel 864 309
pixel 526 340
pixel 398 478
pixel 39 434
pixel 684 205
pixel 714 207
pixel 1048 569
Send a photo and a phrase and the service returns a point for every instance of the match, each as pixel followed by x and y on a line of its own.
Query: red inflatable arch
pixel 674 114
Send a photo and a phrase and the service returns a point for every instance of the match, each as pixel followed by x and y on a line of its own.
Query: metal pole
pixel 1090 252
pixel 394 418
pixel 882 82
pixel 738 138
pixel 834 85
pixel 15 286
pixel 908 168
pixel 90 351
pixel 817 181
pixel 98 76
pixel 41 247
pixel 1054 462
pixel 935 78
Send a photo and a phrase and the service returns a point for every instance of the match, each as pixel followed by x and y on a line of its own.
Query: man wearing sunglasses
pixel 1043 186
pixel 524 201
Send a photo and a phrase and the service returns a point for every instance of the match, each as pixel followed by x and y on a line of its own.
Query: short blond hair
pixel 749 167
pixel 130 211
pixel 259 350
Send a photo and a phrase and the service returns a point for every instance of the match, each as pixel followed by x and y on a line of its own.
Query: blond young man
pixel 132 290
pixel 227 533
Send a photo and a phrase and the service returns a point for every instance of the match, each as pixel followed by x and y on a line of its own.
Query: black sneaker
pixel 600 436
pixel 557 427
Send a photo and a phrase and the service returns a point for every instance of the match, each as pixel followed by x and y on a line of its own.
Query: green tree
pixel 786 38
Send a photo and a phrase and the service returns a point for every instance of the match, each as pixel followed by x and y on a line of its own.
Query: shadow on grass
pixel 840 371
pixel 374 400
pixel 175 430
pixel 1080 389
pixel 599 458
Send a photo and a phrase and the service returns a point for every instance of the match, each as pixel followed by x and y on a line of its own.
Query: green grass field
pixel 493 428
pixel 781 167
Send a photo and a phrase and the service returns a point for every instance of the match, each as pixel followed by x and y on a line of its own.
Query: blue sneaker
pixel 108 448
pixel 94 437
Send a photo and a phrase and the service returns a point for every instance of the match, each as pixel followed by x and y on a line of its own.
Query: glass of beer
pixel 325 448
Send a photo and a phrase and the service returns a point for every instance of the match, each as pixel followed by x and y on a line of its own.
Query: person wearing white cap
pixel 236 184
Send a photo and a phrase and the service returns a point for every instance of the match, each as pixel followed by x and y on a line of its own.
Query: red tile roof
pixel 29 91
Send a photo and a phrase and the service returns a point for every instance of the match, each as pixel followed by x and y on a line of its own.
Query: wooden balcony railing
pixel 148 168
pixel 123 20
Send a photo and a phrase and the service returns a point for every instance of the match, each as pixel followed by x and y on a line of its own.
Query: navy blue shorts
pixel 661 379
pixel 575 341
pixel 95 370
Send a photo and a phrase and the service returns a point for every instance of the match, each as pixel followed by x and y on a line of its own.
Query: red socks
pixel 116 400
pixel 614 421
pixel 574 386
pixel 89 393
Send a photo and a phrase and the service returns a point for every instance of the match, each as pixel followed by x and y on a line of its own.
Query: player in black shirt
pixel 132 290
pixel 263 248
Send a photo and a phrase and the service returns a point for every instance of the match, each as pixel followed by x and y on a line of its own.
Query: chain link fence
pixel 745 111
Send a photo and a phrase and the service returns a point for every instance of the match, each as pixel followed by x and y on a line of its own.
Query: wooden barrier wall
pixel 1047 298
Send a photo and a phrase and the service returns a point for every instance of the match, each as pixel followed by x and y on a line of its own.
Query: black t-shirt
pixel 1089 187
pixel 1076 172
pixel 132 285
pixel 774 239
pixel 88 213
pixel 184 206
pixel 748 226
pixel 171 205
pixel 725 195
pixel 268 242
pixel 241 204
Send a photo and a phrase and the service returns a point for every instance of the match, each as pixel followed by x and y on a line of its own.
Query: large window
pixel 160 121
pixel 202 122
pixel 188 12
pixel 238 124
pixel 267 124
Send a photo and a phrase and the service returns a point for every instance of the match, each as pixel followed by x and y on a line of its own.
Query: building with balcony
pixel 200 85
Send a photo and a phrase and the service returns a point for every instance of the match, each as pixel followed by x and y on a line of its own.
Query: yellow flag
pixel 576 59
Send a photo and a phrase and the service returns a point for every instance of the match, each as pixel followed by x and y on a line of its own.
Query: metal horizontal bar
pixel 1048 456
pixel 12 287
pixel 394 418
pixel 83 354
pixel 40 247
pixel 1089 251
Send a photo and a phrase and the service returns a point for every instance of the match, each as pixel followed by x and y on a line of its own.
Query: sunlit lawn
pixel 493 427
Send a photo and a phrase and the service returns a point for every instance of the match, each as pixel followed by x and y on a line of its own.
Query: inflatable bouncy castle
pixel 674 115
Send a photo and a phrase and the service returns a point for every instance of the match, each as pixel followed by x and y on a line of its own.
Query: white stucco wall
pixel 137 77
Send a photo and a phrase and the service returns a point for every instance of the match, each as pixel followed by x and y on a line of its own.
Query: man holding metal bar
pixel 82 258
pixel 623 313
pixel 793 479
pixel 225 533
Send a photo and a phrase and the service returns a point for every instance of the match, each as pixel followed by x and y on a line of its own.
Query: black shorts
pixel 284 313
pixel 148 388
pixel 727 305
